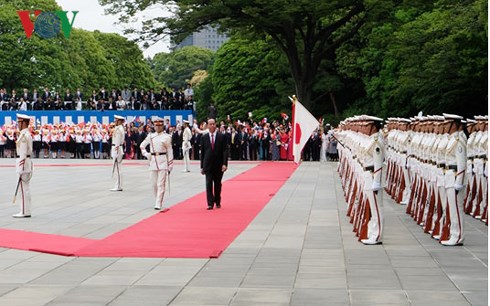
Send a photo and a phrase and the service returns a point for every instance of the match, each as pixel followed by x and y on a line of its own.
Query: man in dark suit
pixel 214 162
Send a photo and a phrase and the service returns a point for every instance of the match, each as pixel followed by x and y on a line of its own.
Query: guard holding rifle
pixel 161 159
pixel 23 166
pixel 117 151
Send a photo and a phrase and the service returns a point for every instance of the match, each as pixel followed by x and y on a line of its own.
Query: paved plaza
pixel 300 249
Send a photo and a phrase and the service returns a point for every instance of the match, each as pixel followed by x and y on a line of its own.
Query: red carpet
pixel 187 230
pixel 46 243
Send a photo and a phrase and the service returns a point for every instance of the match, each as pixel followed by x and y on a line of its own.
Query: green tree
pixel 87 55
pixel 126 60
pixel 176 68
pixel 27 63
pixel 250 77
pixel 306 31
pixel 422 56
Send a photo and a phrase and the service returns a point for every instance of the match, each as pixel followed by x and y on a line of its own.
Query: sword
pixel 168 180
pixel 16 190
pixel 114 166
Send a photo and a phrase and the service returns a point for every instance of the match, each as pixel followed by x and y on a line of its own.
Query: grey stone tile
pixel 204 296
pixel 146 295
pixel 250 296
pixel 433 297
pixel 475 297
pixel 90 294
pixel 319 297
pixel 378 297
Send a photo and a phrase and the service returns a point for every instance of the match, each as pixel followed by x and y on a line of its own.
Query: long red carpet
pixel 187 230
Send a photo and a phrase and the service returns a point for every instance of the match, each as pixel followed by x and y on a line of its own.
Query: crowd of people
pixel 102 99
pixel 435 165
pixel 244 140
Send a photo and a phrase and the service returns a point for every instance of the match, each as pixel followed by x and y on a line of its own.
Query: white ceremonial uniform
pixel 186 147
pixel 117 153
pixel 161 160
pixel 24 171
pixel 373 184
pixel 455 181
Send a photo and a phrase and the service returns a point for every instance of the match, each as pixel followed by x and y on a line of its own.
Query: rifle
pixel 338 140
pixel 16 190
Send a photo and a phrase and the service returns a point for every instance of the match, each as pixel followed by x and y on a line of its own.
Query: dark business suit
pixel 212 161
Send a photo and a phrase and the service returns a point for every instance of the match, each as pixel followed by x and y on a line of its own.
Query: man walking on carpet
pixel 214 162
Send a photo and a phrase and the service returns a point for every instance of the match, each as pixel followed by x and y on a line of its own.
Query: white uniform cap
pixel 373 118
pixel 185 121
pixel 470 120
pixel 159 119
pixel 404 120
pixel 23 117
pixel 117 117
pixel 452 116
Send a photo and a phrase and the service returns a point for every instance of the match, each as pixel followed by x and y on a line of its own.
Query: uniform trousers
pixel 157 180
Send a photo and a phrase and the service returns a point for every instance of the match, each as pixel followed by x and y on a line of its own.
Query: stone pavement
pixel 300 250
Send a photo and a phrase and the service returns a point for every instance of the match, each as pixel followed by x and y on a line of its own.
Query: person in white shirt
pixel 161 159
pixel 186 145
pixel 24 167
pixel 117 152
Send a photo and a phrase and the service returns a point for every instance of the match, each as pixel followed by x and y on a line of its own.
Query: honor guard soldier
pixel 161 159
pixel 24 166
pixel 454 180
pixel 472 187
pixel 372 159
pixel 186 145
pixel 117 151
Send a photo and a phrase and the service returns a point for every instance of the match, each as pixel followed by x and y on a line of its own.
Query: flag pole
pixel 293 127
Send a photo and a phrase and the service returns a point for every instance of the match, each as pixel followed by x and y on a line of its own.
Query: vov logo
pixel 46 24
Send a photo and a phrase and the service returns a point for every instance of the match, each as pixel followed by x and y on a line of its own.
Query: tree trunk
pixel 334 103
pixel 304 88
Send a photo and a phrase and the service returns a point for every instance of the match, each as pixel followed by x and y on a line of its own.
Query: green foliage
pixel 87 60
pixel 427 57
pixel 250 77
pixel 307 32
pixel 175 69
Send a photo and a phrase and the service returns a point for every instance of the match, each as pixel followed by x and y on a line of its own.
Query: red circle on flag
pixel 297 133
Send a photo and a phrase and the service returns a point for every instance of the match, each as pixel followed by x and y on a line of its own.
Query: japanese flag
pixel 304 125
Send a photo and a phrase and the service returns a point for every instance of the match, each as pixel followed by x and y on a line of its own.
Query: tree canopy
pixel 175 69
pixel 306 31
pixel 87 60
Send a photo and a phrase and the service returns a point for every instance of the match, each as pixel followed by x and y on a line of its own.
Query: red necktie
pixel 212 141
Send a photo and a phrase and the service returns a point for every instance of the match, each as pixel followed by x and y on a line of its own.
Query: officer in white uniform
pixel 373 158
pixel 24 166
pixel 117 151
pixel 455 180
pixel 161 159
pixel 186 145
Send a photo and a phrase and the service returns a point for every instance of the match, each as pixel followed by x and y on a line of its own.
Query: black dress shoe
pixel 218 205
pixel 210 207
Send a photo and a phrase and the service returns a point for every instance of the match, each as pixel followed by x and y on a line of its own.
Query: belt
pixel 159 153
pixel 482 156
pixel 443 165
pixel 369 168
pixel 113 145
pixel 452 167
pixel 470 158
pixel 28 156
